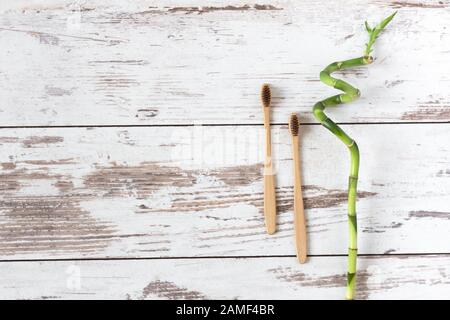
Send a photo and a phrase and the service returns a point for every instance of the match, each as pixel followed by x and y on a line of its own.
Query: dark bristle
pixel 266 95
pixel 293 124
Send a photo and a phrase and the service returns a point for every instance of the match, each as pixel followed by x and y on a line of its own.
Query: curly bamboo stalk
pixel 350 94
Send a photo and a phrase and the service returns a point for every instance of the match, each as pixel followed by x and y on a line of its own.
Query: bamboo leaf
pixel 373 33
pixel 385 22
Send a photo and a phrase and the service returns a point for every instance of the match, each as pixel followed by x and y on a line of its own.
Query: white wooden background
pixel 130 149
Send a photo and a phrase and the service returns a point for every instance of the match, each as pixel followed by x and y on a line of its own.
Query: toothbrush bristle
pixel 293 124
pixel 266 95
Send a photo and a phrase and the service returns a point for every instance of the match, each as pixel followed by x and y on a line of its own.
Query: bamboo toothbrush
pixel 299 213
pixel 270 211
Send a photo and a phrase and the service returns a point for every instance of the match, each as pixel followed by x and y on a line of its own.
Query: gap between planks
pixel 396 255
pixel 217 125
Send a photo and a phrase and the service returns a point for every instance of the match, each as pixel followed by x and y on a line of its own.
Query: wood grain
pixel 401 277
pixel 144 63
pixel 92 192
pixel 190 197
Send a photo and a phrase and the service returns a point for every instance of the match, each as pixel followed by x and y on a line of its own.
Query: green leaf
pixel 373 33
pixel 369 30
pixel 385 22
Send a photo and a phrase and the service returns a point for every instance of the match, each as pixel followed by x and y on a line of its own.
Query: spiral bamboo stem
pixel 350 94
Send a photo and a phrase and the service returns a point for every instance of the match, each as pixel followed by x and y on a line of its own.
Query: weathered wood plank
pixel 404 277
pixel 144 63
pixel 197 191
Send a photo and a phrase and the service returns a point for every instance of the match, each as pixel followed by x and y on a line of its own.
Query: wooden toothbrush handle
pixel 299 212
pixel 270 207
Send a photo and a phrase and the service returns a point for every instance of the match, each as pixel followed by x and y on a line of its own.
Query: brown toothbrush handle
pixel 299 213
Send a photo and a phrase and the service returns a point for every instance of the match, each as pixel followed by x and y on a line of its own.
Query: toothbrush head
pixel 266 95
pixel 293 124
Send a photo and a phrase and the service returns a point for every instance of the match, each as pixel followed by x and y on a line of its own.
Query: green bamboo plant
pixel 350 94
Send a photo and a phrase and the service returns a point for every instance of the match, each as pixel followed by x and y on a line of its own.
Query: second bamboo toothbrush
pixel 299 212
pixel 270 213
